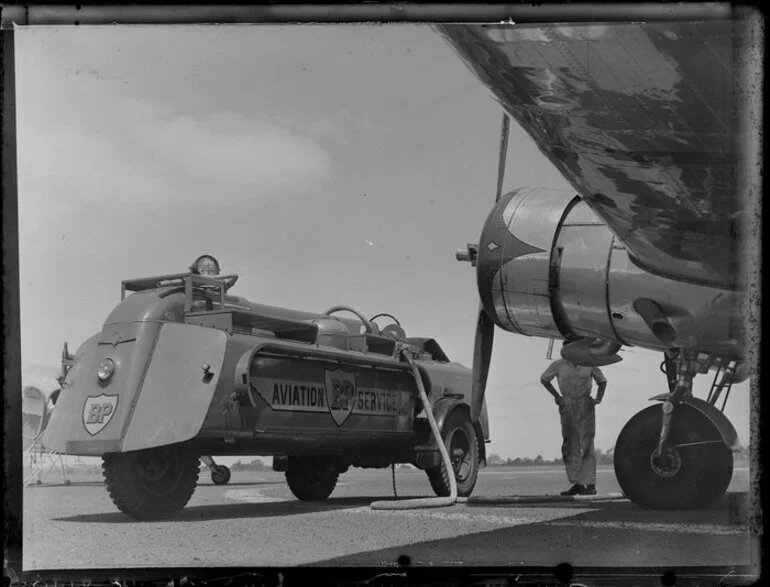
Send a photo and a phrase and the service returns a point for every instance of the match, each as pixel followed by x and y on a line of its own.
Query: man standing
pixel 578 422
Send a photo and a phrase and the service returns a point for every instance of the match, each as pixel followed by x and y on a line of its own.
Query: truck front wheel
pixel 151 484
pixel 463 446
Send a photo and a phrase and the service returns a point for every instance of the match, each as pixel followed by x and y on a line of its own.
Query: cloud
pixel 140 150
pixel 340 128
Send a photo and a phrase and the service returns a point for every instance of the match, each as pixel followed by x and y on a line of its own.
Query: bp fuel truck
pixel 182 370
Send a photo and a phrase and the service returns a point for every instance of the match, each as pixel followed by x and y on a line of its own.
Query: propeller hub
pixel 469 254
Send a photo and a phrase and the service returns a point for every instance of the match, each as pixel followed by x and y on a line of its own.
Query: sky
pixel 324 164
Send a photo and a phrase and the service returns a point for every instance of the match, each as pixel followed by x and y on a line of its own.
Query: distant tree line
pixel 602 458
pixel 495 460
pixel 255 465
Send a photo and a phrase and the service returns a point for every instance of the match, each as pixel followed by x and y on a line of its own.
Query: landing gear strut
pixel 677 456
pixel 687 366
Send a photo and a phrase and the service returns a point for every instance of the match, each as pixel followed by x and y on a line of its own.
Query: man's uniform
pixel 578 422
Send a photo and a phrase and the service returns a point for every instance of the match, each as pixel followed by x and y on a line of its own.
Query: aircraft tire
pixel 461 441
pixel 151 484
pixel 220 475
pixel 696 476
pixel 311 483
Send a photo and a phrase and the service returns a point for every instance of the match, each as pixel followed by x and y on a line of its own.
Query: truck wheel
pixel 311 483
pixel 220 475
pixel 462 443
pixel 151 484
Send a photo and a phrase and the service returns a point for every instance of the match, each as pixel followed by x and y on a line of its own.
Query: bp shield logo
pixel 340 392
pixel 98 411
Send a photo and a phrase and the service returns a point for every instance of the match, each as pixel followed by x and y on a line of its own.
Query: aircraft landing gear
pixel 220 474
pixel 693 470
pixel 677 456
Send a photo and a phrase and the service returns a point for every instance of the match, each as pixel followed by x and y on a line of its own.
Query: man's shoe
pixel 574 490
pixel 589 490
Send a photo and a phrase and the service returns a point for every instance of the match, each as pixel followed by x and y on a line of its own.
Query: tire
pixel 698 474
pixel 152 484
pixel 309 482
pixel 459 434
pixel 220 475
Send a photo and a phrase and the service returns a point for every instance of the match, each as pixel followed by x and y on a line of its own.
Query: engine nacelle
pixel 547 265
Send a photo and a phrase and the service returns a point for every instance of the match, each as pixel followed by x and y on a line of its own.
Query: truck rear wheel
pixel 151 484
pixel 463 446
pixel 311 482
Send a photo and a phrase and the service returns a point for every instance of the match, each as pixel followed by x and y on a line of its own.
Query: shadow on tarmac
pixel 201 484
pixel 234 510
pixel 594 511
pixel 70 484
pixel 606 533
pixel 239 484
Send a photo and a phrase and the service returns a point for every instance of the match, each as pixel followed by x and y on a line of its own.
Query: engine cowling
pixel 547 265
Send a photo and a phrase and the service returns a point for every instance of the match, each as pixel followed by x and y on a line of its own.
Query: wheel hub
pixel 460 455
pixel 153 467
pixel 666 463
pixel 153 471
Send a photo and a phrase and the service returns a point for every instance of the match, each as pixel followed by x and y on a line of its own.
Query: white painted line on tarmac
pixel 256 496
pixel 600 497
pixel 658 527
pixel 252 496
pixel 516 473
pixel 531 517
pixel 553 517
pixel 542 498
pixel 487 471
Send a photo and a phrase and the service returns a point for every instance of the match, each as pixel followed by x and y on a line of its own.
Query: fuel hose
pixel 424 502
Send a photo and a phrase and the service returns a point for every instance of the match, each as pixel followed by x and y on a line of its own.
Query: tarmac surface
pixel 255 521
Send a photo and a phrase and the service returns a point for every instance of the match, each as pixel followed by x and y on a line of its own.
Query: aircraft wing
pixel 646 121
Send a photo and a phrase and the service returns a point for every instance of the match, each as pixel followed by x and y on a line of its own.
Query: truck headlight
pixel 105 369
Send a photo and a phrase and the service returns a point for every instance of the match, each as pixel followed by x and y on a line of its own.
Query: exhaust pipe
pixel 653 316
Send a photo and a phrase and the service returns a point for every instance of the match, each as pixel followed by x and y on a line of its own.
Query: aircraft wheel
pixel 311 482
pixel 151 484
pixel 694 472
pixel 220 475
pixel 462 443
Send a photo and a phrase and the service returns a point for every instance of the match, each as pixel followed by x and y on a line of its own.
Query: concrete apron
pixel 738 503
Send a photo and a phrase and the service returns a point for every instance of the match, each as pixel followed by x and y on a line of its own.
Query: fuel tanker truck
pixel 182 370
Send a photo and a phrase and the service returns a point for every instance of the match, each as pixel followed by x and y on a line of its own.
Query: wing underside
pixel 646 120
